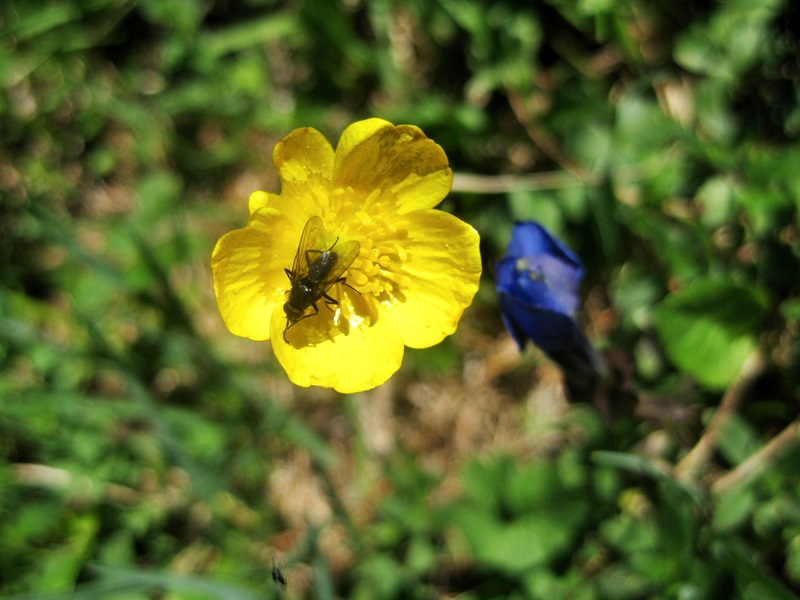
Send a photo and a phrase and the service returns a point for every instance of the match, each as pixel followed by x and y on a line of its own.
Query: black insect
pixel 277 576
pixel 314 271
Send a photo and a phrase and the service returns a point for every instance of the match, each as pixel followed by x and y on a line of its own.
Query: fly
pixel 314 271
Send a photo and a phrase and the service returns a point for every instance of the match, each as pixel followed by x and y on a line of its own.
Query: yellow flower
pixel 416 270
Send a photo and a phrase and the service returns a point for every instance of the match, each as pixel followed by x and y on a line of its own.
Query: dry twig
pixel 688 469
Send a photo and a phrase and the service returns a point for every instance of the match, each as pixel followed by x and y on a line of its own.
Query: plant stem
pixel 688 469
pixel 503 184
pixel 760 460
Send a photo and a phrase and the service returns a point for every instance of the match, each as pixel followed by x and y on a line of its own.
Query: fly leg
pixel 291 324
pixel 330 301
pixel 309 261
pixel 344 281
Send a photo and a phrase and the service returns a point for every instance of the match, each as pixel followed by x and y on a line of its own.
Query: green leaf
pixel 792 567
pixel 60 566
pixel 737 439
pixel 523 543
pixel 732 510
pixel 250 33
pixel 709 327
pixel 519 516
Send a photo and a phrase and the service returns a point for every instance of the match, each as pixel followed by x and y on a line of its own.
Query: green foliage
pixel 145 452
pixel 709 328
pixel 528 523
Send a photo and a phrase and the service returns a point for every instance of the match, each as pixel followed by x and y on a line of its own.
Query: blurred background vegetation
pixel 147 453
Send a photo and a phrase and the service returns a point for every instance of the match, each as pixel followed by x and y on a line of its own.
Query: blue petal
pixel 549 330
pixel 528 238
pixel 539 270
pixel 542 281
pixel 538 282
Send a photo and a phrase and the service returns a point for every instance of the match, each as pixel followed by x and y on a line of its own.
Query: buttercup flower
pixel 537 283
pixel 415 271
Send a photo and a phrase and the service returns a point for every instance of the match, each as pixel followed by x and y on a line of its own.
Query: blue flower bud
pixel 537 282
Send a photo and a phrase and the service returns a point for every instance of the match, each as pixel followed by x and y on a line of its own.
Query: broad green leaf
pixel 709 327
pixel 732 510
pixel 529 540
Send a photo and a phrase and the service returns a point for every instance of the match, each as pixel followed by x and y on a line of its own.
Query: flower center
pixel 378 269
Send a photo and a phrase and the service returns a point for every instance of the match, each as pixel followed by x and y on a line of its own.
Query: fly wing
pixel 308 241
pixel 346 253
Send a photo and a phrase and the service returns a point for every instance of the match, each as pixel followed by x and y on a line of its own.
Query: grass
pixel 145 452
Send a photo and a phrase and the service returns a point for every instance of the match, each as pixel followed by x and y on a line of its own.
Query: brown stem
pixel 690 466
pixel 760 460
pixel 502 184
pixel 61 480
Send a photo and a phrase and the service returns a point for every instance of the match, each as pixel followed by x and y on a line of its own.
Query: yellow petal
pixel 410 170
pixel 304 160
pixel 294 214
pixel 248 270
pixel 443 264
pixel 360 360
pixel 259 200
